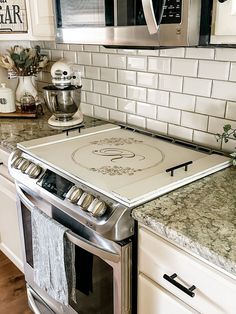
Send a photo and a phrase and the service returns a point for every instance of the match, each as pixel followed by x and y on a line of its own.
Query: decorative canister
pixel 7 99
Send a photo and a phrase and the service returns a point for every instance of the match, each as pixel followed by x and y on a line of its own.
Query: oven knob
pixel 98 208
pixel 74 194
pixel 14 159
pixel 15 163
pixel 34 171
pixel 85 200
pixel 24 164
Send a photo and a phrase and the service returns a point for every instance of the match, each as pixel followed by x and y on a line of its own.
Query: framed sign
pixel 13 17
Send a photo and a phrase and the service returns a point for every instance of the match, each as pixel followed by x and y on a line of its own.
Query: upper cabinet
pixel 38 17
pixel 224 22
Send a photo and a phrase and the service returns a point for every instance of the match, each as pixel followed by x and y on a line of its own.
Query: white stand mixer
pixel 64 96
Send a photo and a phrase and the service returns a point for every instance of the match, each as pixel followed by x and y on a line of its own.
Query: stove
pixel 91 181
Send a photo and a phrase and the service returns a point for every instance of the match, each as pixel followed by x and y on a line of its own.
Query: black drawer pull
pixel 188 291
pixel 185 165
pixel 1 163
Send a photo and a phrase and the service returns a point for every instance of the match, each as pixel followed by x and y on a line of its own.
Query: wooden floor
pixel 13 299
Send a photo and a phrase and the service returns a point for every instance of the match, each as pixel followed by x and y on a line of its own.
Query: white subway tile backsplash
pixel 92 48
pixel 56 55
pixel 127 77
pixel 224 90
pixel 92 72
pixel 210 106
pixel 147 79
pixel 102 113
pixel 200 53
pixel 70 56
pixel 159 65
pixel 127 51
pixel 231 111
pixel 196 86
pixel 109 75
pixel 175 53
pixel 182 101
pixel 170 83
pixel 86 109
pixel 62 46
pixel 100 87
pixel 118 116
pixel 157 126
pixel 116 61
pixel 225 54
pixel 216 125
pixel 158 97
pixel 84 58
pixel 136 120
pixel 149 52
pixel 180 132
pixel 169 115
pixel 194 121
pixel 117 90
pixel 205 139
pixel 213 69
pixel 232 76
pixel 136 93
pixel 186 67
pixel 126 105
pixel 93 98
pixel 146 110
pixel 83 96
pixel 76 47
pixel 87 84
pixel 109 102
pixel 107 50
pixel 138 63
pixel 100 59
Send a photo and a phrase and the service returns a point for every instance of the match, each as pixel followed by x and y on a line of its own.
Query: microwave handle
pixel 74 238
pixel 152 24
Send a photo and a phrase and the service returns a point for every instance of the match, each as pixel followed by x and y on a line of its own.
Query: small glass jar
pixel 27 103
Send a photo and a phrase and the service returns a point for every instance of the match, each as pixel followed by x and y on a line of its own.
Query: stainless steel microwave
pixel 129 23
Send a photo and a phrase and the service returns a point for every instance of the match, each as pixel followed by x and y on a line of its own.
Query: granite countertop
pixel 16 130
pixel 200 217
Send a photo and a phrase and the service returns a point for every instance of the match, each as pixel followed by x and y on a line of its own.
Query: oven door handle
pixel 152 24
pixel 93 248
pixel 23 198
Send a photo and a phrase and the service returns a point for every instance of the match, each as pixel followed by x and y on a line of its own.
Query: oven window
pixel 94 284
pixel 27 229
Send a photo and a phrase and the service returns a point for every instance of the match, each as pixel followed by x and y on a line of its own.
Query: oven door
pixel 103 267
pixel 129 23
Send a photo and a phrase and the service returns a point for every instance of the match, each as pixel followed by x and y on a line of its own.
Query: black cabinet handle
pixel 1 163
pixel 185 165
pixel 188 291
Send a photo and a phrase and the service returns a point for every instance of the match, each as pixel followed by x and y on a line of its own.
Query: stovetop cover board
pixel 125 165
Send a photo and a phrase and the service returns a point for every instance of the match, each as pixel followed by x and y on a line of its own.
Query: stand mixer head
pixel 63 97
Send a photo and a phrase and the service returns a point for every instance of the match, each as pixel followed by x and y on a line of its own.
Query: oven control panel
pixel 172 12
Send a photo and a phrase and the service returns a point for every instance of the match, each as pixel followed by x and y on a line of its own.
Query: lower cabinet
pixel 10 243
pixel 169 277
pixel 154 299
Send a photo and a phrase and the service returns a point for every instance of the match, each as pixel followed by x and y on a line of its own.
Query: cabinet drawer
pixel 214 293
pixel 153 299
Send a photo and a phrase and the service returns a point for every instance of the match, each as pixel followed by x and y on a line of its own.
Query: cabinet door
pixel 224 22
pixel 9 227
pixel 153 299
pixel 42 21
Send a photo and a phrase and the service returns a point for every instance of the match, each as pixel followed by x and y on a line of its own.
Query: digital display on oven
pixel 55 184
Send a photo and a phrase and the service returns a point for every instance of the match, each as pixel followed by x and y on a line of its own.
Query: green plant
pixel 229 133
pixel 23 61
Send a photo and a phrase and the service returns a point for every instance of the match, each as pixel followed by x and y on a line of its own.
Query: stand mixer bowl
pixel 62 103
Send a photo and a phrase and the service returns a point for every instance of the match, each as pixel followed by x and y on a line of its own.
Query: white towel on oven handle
pixel 53 256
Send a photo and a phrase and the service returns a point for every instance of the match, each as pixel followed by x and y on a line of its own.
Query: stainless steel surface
pixel 33 298
pixel 62 103
pixel 117 256
pixel 150 16
pixel 184 34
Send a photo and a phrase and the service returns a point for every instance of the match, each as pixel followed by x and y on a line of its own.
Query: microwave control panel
pixel 172 12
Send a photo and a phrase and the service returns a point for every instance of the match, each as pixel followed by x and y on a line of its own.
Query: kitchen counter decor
pixel 24 63
pixel 228 134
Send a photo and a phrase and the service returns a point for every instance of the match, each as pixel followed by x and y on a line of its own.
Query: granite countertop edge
pixel 185 242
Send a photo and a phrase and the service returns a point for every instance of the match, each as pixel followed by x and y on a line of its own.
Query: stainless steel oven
pixel 103 267
pixel 131 23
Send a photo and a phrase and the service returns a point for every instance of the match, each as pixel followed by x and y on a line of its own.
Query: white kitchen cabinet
pixel 214 293
pixel 10 243
pixel 224 22
pixel 40 22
